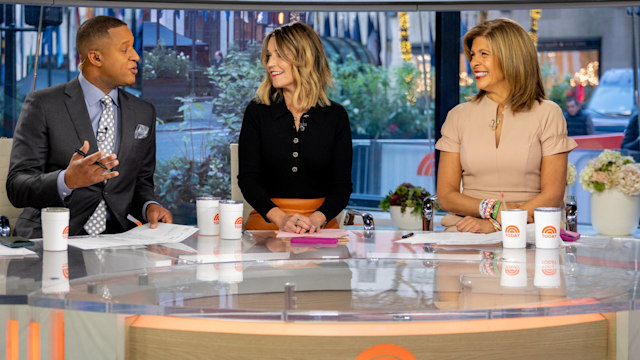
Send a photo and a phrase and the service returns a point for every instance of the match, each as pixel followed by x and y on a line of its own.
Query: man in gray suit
pixel 92 115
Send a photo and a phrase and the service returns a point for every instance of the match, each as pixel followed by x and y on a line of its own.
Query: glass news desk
pixel 259 296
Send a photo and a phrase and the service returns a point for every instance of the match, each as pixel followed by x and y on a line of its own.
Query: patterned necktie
pixel 97 223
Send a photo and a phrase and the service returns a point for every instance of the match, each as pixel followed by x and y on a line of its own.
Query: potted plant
pixel 165 72
pixel 405 206
pixel 614 183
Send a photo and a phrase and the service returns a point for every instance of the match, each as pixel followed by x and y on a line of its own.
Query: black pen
pixel 81 153
pixel 407 235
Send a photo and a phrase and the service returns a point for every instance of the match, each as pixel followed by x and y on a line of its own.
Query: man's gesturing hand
pixel 83 171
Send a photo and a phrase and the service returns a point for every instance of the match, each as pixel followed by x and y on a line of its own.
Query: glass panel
pixel 200 68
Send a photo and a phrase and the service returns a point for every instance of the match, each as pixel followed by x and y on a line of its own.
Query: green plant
pixel 556 87
pixel 164 63
pixel 204 168
pixel 406 196
pixel 376 108
pixel 235 81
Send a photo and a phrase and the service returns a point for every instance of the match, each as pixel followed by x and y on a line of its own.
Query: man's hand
pixel 83 172
pixel 157 213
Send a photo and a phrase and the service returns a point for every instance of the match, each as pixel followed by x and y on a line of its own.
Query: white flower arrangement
pixel 572 174
pixel 611 170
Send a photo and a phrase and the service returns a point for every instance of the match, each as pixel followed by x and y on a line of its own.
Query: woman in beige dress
pixel 508 144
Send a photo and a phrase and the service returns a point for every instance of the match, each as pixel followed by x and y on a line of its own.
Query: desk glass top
pixel 368 278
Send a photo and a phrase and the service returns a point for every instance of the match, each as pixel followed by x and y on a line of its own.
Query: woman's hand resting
pixel 475 225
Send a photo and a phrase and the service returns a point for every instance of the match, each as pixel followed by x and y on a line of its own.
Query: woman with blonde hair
pixel 508 144
pixel 295 144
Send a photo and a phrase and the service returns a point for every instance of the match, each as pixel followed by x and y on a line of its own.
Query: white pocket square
pixel 142 131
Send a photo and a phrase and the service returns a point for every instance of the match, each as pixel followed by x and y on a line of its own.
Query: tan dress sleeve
pixel 554 139
pixel 450 140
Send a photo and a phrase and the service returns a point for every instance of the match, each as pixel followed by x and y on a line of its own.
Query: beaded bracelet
pixel 486 207
pixel 496 207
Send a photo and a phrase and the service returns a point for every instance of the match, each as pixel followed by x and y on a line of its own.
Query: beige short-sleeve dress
pixel 512 168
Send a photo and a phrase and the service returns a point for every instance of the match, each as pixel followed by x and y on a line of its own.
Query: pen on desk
pixel 133 220
pixel 82 153
pixel 407 235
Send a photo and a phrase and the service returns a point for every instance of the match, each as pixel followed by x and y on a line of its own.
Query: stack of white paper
pixel 140 235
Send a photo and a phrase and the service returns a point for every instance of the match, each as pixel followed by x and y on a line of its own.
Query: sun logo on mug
pixel 65 233
pixel 549 232
pixel 238 223
pixel 216 219
pixel 512 231
pixel 512 270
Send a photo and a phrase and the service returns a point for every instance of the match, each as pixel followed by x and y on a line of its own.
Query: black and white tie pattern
pixel 97 223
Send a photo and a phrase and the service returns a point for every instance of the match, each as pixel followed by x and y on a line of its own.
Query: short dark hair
pixel 571 99
pixel 93 29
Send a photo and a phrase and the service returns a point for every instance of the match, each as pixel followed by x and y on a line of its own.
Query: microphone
pixel 493 124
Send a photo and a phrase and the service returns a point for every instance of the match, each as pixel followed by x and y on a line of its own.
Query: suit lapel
pixel 79 115
pixel 127 126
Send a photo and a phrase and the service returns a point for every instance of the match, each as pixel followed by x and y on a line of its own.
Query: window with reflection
pixel 200 68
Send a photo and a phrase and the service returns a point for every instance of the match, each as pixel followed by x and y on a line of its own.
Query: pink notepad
pixel 323 233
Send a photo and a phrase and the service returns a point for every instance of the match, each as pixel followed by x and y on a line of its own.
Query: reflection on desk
pixel 369 279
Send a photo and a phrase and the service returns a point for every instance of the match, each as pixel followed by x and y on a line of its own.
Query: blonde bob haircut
pixel 300 46
pixel 518 58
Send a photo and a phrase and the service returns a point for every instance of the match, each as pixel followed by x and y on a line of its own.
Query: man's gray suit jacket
pixel 53 123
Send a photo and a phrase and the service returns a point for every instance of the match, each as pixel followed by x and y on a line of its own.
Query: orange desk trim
pixel 33 341
pixel 358 329
pixel 12 341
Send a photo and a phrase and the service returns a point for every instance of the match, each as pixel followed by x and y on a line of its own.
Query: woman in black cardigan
pixel 295 144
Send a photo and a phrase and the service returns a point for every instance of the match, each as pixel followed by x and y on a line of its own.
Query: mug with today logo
pixel 514 228
pixel 547 221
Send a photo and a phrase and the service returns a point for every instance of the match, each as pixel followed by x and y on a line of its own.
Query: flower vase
pixel 614 213
pixel 406 220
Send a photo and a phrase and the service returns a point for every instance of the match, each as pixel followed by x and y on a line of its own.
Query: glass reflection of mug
pixel 514 268
pixel 547 269
pixel 208 249
pixel 231 269
pixel 55 272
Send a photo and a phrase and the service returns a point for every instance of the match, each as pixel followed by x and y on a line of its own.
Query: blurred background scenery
pixel 200 68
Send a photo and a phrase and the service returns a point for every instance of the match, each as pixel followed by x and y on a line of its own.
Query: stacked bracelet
pixel 486 208
pixel 494 212
pixel 496 225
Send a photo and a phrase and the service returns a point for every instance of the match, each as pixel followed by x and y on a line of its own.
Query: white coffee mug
pixel 547 226
pixel 231 219
pixel 514 228
pixel 55 228
pixel 208 215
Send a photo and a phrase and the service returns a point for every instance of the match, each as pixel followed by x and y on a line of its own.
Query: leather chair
pixel 6 208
